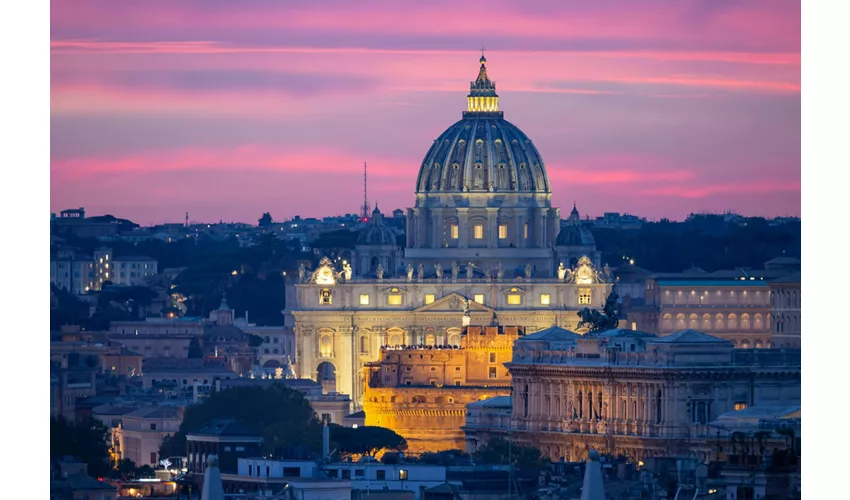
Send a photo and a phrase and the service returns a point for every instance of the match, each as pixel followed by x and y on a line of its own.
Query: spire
pixel 592 487
pixel 364 210
pixel 482 96
pixel 575 218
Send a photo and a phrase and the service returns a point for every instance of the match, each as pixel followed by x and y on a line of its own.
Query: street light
pixel 402 475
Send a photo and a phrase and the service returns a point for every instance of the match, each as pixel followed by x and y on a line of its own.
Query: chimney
pixel 246 318
pixel 326 442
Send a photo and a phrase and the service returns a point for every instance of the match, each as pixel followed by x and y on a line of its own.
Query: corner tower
pixel 482 195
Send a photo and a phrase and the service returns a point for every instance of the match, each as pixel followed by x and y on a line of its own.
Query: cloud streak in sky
pixel 644 106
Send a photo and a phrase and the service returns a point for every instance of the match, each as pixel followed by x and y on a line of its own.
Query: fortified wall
pixel 421 392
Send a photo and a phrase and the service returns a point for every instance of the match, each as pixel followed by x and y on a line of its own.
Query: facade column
pixel 492 227
pixel 540 228
pixel 409 231
pixel 463 227
pixel 436 228
pixel 520 229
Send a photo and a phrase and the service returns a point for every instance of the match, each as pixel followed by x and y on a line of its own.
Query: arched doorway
pixel 326 375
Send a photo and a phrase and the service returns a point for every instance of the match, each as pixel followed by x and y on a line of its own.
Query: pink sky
pixel 230 109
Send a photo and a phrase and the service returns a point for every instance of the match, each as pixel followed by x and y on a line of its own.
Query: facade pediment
pixel 453 302
pixel 394 290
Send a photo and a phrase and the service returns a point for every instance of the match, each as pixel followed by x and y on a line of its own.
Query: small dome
pixel 574 234
pixel 376 233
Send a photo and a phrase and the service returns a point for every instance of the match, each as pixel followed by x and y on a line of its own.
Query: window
pixel 153 427
pixel 478 232
pixel 250 470
pixel 503 231
pixel 492 372
pixel 292 472
pixel 364 299
pixel 492 357
pixel 153 457
pixel 478 297
pixel 333 473
pixel 346 473
pixel 457 368
pixel 359 472
pixel 227 448
pixel 514 299
pixel 381 475
pixel 584 295
pixel 634 325
pixel 544 299
pixel 325 297
pixel 326 417
pixel 454 231
pixel 740 405
pixel 408 368
pixel 429 298
pixel 394 300
pixel 525 231
pixel 326 346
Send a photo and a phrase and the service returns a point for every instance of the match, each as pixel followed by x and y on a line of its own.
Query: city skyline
pixel 638 107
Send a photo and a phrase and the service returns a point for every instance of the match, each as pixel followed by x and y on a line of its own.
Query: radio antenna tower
pixel 364 210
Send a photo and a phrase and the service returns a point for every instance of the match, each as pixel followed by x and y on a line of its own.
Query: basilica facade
pixel 484 246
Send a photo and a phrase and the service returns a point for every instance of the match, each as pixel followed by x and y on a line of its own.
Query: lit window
pixel 106 266
pixel 107 275
pixel 107 256
pixel 503 231
pixel 326 346
pixel 478 232
pixel 492 372
pixel 492 357
pixel 525 231
pixel 740 405
pixel 325 297
pixel 514 299
pixel 394 300
pixel 429 298
pixel 454 231
pixel 584 296
pixel 364 299
pixel 478 297
pixel 544 299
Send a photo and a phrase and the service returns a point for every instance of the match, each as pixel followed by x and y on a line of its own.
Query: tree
pixel 499 451
pixel 87 439
pixel 280 414
pixel 171 447
pixel 367 440
pixel 265 220
pixel 254 340
pixel 195 351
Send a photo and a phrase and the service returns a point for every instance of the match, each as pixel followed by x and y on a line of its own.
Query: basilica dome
pixel 483 152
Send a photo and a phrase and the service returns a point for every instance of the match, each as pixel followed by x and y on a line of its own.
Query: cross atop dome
pixel 482 96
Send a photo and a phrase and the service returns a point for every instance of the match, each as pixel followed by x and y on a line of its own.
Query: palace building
pixel 482 232
pixel 631 393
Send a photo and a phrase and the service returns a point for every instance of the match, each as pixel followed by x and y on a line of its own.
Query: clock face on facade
pixel 325 276
pixel 584 274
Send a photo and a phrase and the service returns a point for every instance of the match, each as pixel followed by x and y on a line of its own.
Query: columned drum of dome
pixel 483 193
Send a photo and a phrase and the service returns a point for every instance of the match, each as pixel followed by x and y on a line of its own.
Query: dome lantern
pixel 482 96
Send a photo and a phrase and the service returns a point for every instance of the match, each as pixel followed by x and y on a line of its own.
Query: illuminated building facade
pixel 421 392
pixel 482 230
pixel 632 393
